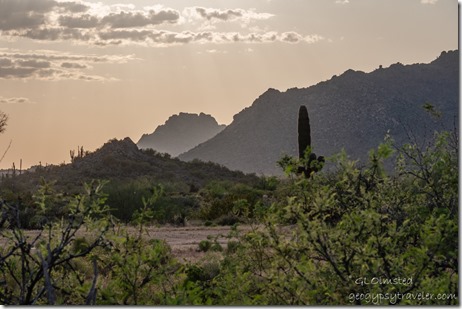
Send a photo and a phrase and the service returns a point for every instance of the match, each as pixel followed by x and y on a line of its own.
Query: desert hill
pixel 121 160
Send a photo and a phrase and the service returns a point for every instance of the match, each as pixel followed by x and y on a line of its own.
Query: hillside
pixel 353 111
pixel 180 133
pixel 121 160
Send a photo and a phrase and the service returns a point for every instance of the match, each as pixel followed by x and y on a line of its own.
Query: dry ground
pixel 184 241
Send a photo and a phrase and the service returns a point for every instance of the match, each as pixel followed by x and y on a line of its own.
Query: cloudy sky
pixel 81 72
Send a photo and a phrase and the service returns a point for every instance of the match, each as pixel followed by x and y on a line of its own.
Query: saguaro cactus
pixel 304 131
pixel 314 163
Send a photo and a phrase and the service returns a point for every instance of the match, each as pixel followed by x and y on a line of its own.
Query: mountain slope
pixel 180 133
pixel 353 111
pixel 121 160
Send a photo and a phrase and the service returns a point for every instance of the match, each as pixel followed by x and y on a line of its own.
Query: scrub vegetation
pixel 348 234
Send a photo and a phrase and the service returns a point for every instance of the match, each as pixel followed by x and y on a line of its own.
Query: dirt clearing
pixel 184 241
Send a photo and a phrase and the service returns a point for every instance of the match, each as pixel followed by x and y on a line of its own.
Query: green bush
pixel 204 245
pixel 125 198
pixel 228 220
pixel 220 199
pixel 232 247
pixel 216 247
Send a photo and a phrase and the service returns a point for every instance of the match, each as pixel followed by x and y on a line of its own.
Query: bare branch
pixel 3 121
pixel 91 298
pixel 48 285
pixel 8 148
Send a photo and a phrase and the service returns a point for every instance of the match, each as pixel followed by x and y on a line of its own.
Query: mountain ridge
pixel 352 111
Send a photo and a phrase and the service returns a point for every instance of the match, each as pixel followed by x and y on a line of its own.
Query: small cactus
pixel 314 163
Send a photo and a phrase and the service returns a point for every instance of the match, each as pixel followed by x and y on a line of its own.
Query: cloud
pixel 97 24
pixel 15 100
pixel 218 14
pixel 291 37
pixel 73 65
pixel 16 72
pixel 20 20
pixel 27 14
pixel 33 63
pixel 229 14
pixel 428 1
pixel 140 19
pixel 211 16
pixel 73 7
pixel 162 38
pixel 51 65
pixel 45 14
pixel 55 34
pixel 83 21
pixel 216 51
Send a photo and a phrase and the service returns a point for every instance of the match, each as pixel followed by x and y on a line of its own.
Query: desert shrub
pixel 175 209
pixel 220 198
pixel 140 269
pixel 232 246
pixel 140 272
pixel 29 215
pixel 230 219
pixel 204 245
pixel 125 198
pixel 203 271
pixel 24 202
pixel 216 246
pixel 197 287
pixel 268 183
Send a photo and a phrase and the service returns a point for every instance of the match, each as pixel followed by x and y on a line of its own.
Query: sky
pixel 81 72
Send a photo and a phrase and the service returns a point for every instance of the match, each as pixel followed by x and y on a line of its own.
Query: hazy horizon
pixel 79 73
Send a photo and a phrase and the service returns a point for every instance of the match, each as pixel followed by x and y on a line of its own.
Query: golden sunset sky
pixel 78 73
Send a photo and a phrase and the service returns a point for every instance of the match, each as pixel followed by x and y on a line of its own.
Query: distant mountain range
pixel 353 111
pixel 180 133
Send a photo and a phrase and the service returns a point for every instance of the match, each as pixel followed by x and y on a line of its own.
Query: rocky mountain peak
pixel 180 133
pixel 125 145
pixel 122 149
pixel 447 58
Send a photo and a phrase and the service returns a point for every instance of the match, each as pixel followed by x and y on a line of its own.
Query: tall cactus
pixel 304 131
pixel 314 163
